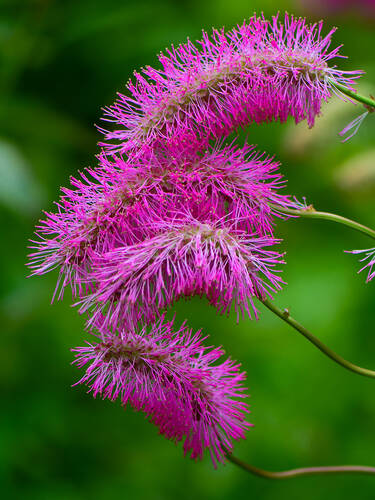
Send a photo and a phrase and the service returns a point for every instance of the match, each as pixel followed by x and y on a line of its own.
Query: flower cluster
pixel 124 202
pixel 171 212
pixel 259 72
pixel 170 376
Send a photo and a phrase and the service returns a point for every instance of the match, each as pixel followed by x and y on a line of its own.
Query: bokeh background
pixel 60 62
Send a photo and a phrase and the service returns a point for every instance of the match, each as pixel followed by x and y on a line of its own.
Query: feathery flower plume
pixel 185 258
pixel 138 367
pixel 96 216
pixel 223 180
pixel 111 206
pixel 171 377
pixel 260 71
pixel 370 257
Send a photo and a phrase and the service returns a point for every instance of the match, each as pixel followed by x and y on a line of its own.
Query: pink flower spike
pixel 224 180
pixel 175 380
pixel 261 71
pixel 99 214
pixel 103 208
pixel 185 258
pixel 137 366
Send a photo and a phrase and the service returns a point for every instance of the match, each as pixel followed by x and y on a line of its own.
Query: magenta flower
pixel 94 217
pixel 259 72
pixel 370 257
pixel 138 366
pixel 170 376
pixel 171 212
pixel 224 180
pixel 186 257
pixel 116 205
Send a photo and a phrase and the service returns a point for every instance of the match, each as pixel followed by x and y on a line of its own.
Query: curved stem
pixel 366 101
pixel 285 316
pixel 311 213
pixel 305 471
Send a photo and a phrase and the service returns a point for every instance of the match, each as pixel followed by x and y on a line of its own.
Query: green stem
pixel 366 101
pixel 305 471
pixel 311 213
pixel 285 316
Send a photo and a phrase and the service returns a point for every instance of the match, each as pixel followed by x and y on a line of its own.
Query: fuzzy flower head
pixel 175 380
pixel 185 258
pixel 223 180
pixel 98 214
pixel 138 366
pixel 260 71
pixel 110 206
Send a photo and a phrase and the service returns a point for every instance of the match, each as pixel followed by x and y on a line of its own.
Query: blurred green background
pixel 60 62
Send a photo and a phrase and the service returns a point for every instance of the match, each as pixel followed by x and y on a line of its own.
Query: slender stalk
pixel 285 316
pixel 368 102
pixel 305 471
pixel 311 213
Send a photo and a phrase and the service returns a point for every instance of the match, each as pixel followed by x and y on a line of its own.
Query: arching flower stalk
pixel 138 366
pixel 260 71
pixel 171 376
pixel 185 258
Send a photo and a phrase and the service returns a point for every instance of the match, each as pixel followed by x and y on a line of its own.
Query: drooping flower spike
pixel 224 179
pixel 106 208
pixel 110 206
pixel 186 257
pixel 260 71
pixel 166 215
pixel 171 376
pixel 101 213
pixel 138 366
